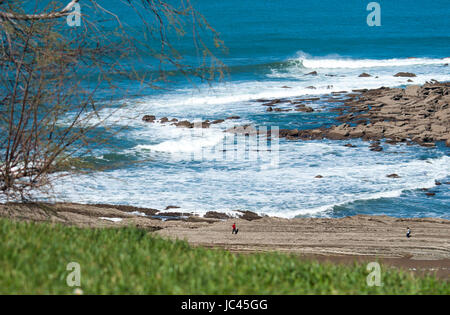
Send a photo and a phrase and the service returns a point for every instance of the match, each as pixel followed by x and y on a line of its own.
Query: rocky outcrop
pixel 417 114
pixel 149 118
pixel 405 74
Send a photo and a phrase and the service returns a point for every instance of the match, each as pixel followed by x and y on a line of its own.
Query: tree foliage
pixel 51 75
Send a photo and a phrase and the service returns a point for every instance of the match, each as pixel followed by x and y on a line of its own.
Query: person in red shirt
pixel 235 231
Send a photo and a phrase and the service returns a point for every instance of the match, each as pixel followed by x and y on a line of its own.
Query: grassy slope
pixel 33 259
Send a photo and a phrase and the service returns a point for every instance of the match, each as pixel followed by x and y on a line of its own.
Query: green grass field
pixel 34 256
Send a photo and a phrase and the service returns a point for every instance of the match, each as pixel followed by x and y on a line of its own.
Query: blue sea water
pixel 272 44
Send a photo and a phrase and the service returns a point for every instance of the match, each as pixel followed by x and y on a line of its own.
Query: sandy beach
pixel 343 240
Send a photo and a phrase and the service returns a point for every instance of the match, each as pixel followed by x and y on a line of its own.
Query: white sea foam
pixel 349 63
pixel 290 190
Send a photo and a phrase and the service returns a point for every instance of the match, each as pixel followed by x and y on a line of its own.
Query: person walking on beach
pixel 408 232
pixel 235 231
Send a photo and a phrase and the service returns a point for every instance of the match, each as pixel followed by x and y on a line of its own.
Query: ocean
pixel 271 45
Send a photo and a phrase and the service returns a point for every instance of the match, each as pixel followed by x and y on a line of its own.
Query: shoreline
pixel 360 238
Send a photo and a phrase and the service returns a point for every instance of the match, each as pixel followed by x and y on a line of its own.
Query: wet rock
pixel 216 215
pixel 304 108
pixel 404 74
pixel 437 183
pixel 245 130
pixel 286 87
pixel 282 110
pixel 171 207
pixel 364 75
pixel 184 124
pixel 312 73
pixel 248 215
pixel 217 121
pixel 233 117
pixel 164 120
pixel 149 118
pixel 318 176
pixel 311 87
pixel 269 109
pixel 393 176
pixel 430 194
pixel 349 145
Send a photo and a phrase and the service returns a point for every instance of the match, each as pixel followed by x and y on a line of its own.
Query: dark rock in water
pixel 270 109
pixel 184 124
pixel 318 176
pixel 171 207
pixel 286 87
pixel 216 215
pixel 149 118
pixel 233 117
pixel 204 124
pixel 248 215
pixel 311 87
pixel 424 189
pixel 245 130
pixel 217 121
pixel 282 110
pixel 364 75
pixel 349 145
pixel 446 65
pixel 164 120
pixel 437 183
pixel 430 194
pixel 312 73
pixel 376 149
pixel 447 183
pixel 405 74
pixel 174 120
pixel 393 176
pixel 303 108
pixel 409 80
